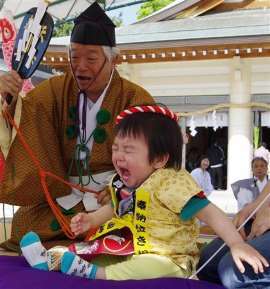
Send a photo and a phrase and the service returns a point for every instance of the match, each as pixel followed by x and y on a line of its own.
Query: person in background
pixel 68 121
pixel 216 157
pixel 202 176
pixel 247 190
pixel 262 152
pixel 192 159
pixel 156 200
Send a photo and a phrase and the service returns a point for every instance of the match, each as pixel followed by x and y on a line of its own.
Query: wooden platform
pixel 2 238
pixel 7 253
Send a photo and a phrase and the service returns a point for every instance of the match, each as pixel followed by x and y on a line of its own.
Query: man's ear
pixel 116 60
pixel 160 162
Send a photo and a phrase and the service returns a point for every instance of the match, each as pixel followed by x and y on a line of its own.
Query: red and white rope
pixel 147 108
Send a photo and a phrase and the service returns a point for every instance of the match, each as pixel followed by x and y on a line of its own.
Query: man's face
pixel 91 68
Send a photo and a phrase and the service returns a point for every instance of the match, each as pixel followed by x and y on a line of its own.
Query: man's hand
pixel 10 84
pixel 241 251
pixel 261 223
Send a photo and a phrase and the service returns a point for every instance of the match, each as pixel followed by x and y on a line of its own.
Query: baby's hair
pixel 161 133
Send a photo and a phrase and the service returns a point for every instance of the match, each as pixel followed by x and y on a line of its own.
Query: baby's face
pixel 130 159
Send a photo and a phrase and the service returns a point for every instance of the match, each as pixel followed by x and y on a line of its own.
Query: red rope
pixel 63 221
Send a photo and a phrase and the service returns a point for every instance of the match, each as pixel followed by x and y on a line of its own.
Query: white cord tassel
pixel 214 117
pixel 192 129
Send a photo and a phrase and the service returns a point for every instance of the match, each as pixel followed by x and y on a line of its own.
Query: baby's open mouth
pixel 124 173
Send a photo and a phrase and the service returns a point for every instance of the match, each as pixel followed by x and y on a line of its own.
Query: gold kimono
pixel 47 122
pixel 155 225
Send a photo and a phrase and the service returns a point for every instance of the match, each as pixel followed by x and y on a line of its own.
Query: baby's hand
pixel 80 223
pixel 244 252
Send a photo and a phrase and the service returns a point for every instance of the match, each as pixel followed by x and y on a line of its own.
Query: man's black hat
pixel 93 26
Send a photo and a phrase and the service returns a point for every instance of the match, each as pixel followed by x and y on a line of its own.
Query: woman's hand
pixel 247 210
pixel 242 251
pixel 261 223
pixel 241 216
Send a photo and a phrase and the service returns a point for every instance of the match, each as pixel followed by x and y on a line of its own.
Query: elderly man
pixel 68 121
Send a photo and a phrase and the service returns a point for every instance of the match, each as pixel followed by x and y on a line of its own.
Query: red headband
pixel 147 108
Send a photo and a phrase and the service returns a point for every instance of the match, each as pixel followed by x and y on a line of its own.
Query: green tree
pixel 102 2
pixel 117 20
pixel 151 6
pixel 63 29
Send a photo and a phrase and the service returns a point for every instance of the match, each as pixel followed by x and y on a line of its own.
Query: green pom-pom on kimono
pixel 71 131
pixel 99 135
pixel 55 226
pixel 103 116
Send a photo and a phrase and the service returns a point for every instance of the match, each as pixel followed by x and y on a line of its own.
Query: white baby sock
pixel 33 251
pixel 72 264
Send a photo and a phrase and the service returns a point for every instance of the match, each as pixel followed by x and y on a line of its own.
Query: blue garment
pixel 222 268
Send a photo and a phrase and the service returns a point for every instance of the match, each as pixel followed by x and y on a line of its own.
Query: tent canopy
pixel 59 9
